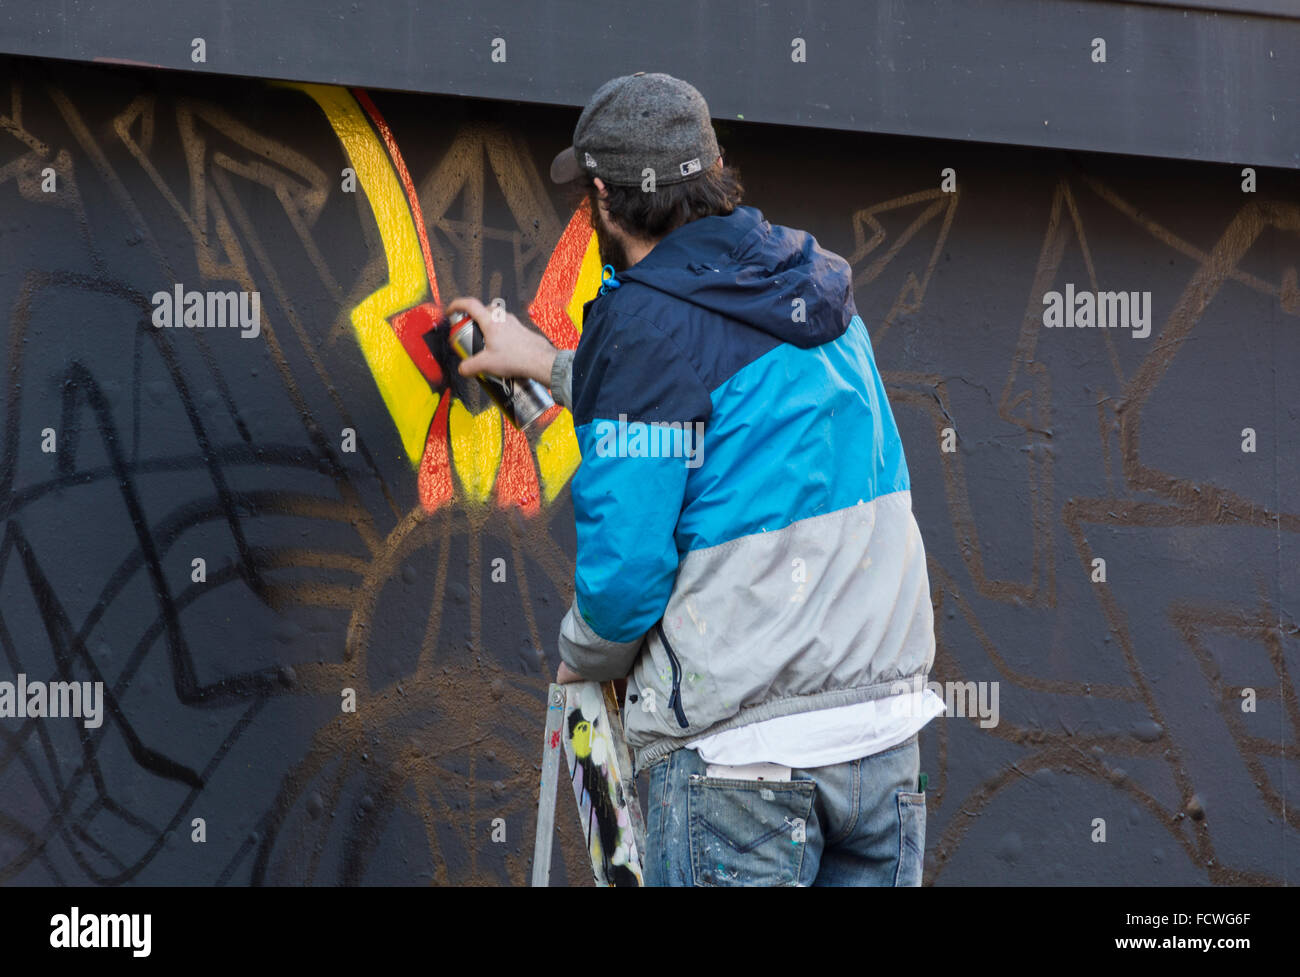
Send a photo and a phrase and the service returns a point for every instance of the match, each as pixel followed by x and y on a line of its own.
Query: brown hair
pixel 715 192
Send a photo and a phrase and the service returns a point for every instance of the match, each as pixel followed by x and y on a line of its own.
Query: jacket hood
pixel 745 268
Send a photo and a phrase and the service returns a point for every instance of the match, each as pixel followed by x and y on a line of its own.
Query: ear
pixel 600 185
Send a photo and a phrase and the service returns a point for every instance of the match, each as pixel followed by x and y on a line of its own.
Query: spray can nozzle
pixel 521 399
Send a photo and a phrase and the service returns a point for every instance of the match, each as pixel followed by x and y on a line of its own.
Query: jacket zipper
pixel 675 700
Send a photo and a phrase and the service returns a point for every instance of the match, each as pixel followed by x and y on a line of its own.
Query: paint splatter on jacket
pixel 779 569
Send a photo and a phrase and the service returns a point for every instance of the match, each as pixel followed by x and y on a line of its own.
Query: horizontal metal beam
pixel 1269 8
pixel 1187 83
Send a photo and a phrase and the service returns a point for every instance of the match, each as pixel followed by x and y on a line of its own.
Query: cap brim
pixel 565 168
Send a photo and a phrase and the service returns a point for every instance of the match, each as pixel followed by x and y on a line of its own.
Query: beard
pixel 611 249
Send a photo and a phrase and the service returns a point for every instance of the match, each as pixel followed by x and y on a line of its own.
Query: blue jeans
pixel 855 823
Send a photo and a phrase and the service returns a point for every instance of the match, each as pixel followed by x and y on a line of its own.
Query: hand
pixel 510 349
pixel 566 675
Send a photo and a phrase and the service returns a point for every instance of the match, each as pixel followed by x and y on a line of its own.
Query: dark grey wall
pixel 1118 700
pixel 1179 80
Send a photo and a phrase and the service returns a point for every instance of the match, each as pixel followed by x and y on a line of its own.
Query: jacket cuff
pixel 562 379
pixel 592 656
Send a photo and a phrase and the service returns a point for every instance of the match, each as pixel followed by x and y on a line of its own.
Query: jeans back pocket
pixel 747 832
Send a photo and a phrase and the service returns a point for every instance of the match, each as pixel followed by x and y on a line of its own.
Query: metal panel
pixel 1194 84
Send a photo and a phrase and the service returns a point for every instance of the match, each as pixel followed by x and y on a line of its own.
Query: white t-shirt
pixel 824 736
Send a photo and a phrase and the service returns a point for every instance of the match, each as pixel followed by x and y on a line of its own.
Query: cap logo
pixel 591 160
pixel 690 166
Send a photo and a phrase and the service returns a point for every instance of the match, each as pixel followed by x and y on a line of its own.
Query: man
pixel 747 555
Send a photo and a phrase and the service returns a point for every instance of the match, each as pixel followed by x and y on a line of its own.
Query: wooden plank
pixel 624 758
pixel 602 785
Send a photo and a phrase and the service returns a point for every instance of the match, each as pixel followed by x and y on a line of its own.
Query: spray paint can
pixel 522 400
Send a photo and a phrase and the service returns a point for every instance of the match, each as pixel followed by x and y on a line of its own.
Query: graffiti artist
pixel 766 605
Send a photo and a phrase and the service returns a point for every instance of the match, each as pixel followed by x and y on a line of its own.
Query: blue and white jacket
pixel 772 566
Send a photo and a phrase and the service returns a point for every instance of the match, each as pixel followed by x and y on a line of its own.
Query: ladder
pixel 583 718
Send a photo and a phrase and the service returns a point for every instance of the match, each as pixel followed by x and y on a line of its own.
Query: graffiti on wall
pixel 491 457
pixel 426 571
pixel 422 738
pixel 1137 497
